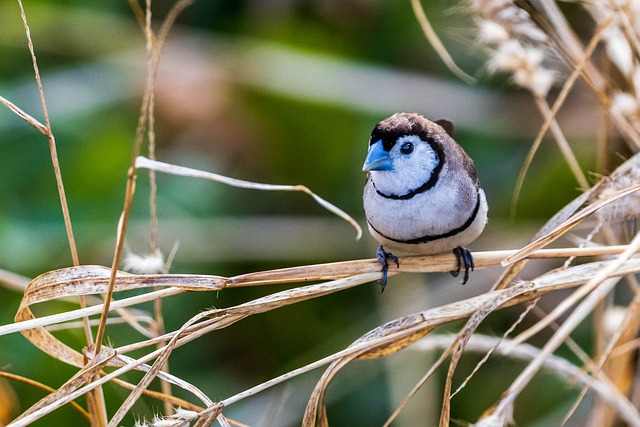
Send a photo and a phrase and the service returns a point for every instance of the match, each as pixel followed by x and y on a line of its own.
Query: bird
pixel 422 194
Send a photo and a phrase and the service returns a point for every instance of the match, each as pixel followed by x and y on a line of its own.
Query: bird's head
pixel 405 152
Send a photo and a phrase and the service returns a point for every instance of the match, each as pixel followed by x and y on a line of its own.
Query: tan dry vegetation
pixel 525 42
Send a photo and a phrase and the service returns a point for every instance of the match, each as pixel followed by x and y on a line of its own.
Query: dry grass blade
pixel 437 263
pixel 563 307
pixel 600 287
pixel 566 212
pixel 365 348
pixel 551 114
pixel 465 335
pixel 156 45
pixel 622 177
pixel 150 375
pixel 143 162
pixel 488 353
pixel 224 317
pixel 419 384
pixel 96 400
pixel 628 328
pixel 526 353
pixel 92 280
pixel 87 380
pixel 458 345
pixel 41 386
pixel 568 224
pixel 315 413
pixel 440 49
pixel 26 117
pixel 146 115
pixel 428 263
pixel 16 282
pixel 463 338
pixel 219 319
pixel 52 144
pixel 513 269
pixel 125 361
pixel 89 280
pixel 397 334
pixel 138 13
pixel 382 341
pixel 65 394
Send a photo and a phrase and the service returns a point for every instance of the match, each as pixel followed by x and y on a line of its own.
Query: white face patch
pixel 414 161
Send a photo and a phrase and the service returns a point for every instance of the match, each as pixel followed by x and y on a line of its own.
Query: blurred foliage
pixel 249 132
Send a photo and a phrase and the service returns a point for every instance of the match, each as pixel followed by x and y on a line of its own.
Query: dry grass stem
pixel 52 143
pixel 143 162
pixel 96 400
pixel 14 281
pixel 568 224
pixel 534 43
pixel 629 328
pixel 397 334
pixel 440 49
pixel 154 49
pixel 44 387
pixel 524 352
pixel 550 122
pixel 598 286
pixel 26 117
pixel 390 338
pixel 461 342
pixel 488 353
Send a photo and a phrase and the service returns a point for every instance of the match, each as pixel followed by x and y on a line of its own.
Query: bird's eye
pixel 407 148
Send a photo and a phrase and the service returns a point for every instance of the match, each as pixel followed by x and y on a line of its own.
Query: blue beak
pixel 377 158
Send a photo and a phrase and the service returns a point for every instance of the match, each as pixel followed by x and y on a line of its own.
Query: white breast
pixel 441 210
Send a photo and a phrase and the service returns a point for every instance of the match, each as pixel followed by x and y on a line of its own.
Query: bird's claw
pixel 465 259
pixel 383 258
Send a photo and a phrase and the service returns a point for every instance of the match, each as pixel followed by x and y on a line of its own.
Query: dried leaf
pixel 143 162
pixel 568 224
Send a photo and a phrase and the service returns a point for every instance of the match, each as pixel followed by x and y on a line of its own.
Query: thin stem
pixel 122 229
pixel 99 415
pixel 550 122
pixel 440 49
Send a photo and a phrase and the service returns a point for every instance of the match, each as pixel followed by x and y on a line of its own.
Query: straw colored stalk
pixel 89 280
pixel 399 333
pixel 526 353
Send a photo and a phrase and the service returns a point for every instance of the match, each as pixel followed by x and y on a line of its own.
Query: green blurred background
pixel 282 92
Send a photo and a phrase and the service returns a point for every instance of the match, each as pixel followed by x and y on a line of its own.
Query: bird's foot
pixel 383 258
pixel 464 258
